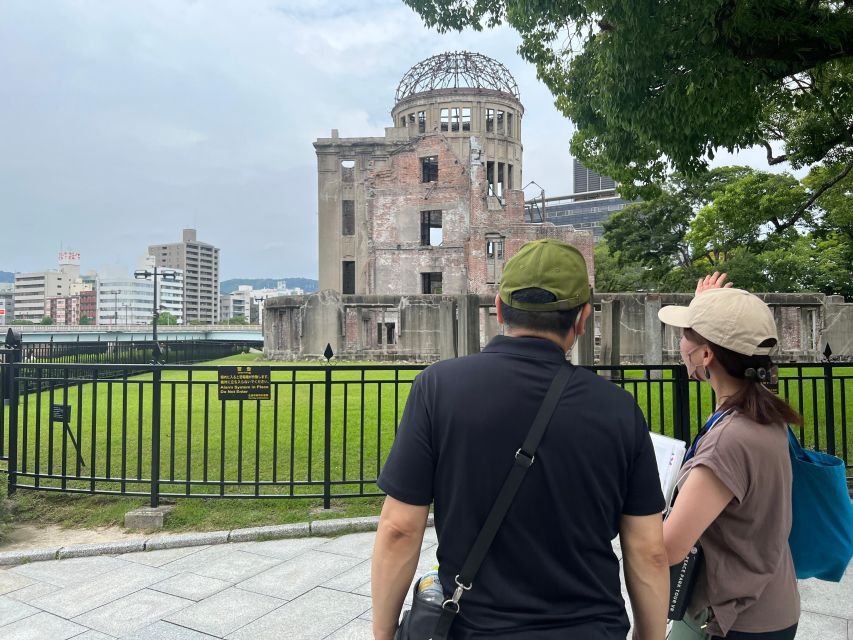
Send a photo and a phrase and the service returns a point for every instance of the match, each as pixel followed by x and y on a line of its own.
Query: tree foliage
pixel 166 318
pixel 654 87
pixel 766 230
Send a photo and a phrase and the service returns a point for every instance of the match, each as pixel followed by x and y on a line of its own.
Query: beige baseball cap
pixel 731 318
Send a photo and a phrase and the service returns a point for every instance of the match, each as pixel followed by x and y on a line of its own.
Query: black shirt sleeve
pixel 409 469
pixel 644 496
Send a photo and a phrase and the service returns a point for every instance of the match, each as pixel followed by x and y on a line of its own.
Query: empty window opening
pixel 454 119
pixel 421 121
pixel 385 333
pixel 348 170
pixel 494 258
pixel 445 119
pixel 411 119
pixel 429 169
pixel 466 118
pixel 509 176
pixel 499 185
pixel 431 231
pixel 348 217
pixel 500 121
pixel 490 177
pixel 403 121
pixel 431 282
pixel 348 277
pixel 490 120
pixel 508 123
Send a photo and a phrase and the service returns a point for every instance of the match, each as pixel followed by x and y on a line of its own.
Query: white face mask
pixel 694 371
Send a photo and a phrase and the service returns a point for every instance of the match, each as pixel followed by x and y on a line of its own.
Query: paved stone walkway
pixel 306 589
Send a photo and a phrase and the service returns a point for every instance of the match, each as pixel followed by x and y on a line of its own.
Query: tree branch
pixel 771 160
pixel 826 186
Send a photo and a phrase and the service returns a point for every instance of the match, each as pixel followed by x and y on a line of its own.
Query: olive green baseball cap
pixel 550 265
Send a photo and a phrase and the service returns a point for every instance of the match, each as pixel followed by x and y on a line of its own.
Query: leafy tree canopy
pixel 46 320
pixel 166 318
pixel 654 87
pixel 768 231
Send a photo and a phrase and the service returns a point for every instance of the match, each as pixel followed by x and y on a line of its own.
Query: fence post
pixel 829 399
pixel 15 355
pixel 327 462
pixel 155 439
pixel 681 403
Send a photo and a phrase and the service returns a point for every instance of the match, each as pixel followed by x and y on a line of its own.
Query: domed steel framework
pixel 457 70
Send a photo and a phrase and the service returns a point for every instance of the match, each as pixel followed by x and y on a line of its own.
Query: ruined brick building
pixel 436 204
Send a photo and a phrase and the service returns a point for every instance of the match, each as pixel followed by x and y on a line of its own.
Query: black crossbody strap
pixel 524 458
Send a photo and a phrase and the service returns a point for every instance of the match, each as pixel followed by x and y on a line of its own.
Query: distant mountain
pixel 230 286
pixel 7 276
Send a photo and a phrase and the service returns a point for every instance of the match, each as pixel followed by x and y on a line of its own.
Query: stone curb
pixel 274 532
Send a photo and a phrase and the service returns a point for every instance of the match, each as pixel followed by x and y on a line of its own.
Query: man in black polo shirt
pixel 551 571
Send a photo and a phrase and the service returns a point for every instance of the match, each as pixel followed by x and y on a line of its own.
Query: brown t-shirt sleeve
pixel 726 455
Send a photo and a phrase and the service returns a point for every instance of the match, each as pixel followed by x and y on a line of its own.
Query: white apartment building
pixel 124 299
pixel 32 291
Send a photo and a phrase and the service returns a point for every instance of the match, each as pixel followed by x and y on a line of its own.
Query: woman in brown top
pixel 735 489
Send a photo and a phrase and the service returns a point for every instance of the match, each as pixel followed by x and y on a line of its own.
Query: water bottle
pixel 429 588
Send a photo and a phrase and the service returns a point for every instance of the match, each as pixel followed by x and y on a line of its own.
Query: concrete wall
pixel 625 328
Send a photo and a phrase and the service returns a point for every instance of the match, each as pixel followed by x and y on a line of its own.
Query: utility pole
pixel 155 274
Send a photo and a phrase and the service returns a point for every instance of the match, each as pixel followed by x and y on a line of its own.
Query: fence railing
pixel 324 432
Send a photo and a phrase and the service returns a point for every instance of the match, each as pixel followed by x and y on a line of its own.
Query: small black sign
pixel 244 383
pixel 60 413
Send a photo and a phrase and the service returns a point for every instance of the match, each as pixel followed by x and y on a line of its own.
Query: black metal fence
pixel 162 431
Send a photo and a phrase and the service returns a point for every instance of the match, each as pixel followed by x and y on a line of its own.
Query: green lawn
pixel 282 440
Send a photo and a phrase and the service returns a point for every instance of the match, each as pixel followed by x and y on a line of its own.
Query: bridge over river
pixel 138 333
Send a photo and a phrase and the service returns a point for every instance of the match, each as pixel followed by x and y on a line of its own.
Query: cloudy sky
pixel 123 121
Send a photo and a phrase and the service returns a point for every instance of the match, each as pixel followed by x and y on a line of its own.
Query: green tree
pixel 166 318
pixel 658 86
pixel 21 322
pixel 46 320
pixel 85 320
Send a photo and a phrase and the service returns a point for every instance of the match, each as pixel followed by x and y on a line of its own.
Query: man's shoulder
pixel 612 395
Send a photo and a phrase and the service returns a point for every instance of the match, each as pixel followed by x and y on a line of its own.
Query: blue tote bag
pixel 821 537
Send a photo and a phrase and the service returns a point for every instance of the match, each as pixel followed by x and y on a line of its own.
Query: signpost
pixel 244 383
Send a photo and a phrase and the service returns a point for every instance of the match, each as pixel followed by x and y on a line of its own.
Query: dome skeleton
pixel 457 70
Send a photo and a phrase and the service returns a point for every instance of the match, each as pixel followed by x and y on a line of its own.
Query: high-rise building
pixel 199 262
pixel 587 180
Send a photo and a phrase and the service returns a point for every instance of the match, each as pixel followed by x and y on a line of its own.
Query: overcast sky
pixel 123 121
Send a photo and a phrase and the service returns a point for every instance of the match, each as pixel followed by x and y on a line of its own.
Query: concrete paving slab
pixel 133 612
pixel 42 626
pixel 814 626
pixel 94 635
pixel 225 612
pixel 191 586
pixel 10 581
pixel 223 563
pixel 352 579
pixel 12 610
pixel 312 616
pixel 75 600
pixel 357 545
pixel 68 572
pixel 281 549
pixel 33 592
pixel 828 598
pixel 167 631
pixel 292 578
pixel 162 556
pixel 355 630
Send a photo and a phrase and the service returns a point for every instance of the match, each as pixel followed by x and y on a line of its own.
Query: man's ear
pixel 499 308
pixel 583 316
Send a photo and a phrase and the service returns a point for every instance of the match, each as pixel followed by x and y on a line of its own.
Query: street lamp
pixel 144 274
pixel 259 301
pixel 114 293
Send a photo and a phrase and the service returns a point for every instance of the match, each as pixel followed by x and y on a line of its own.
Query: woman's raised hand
pixel 713 281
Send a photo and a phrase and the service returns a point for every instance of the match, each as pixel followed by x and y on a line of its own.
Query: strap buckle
pixel 526 460
pixel 454 600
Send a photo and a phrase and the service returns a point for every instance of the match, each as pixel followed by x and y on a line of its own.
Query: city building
pixel 199 263
pixel 249 302
pixel 126 299
pixel 7 302
pixel 64 310
pixel 436 204
pixel 593 202
pixel 33 289
pixel 89 306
